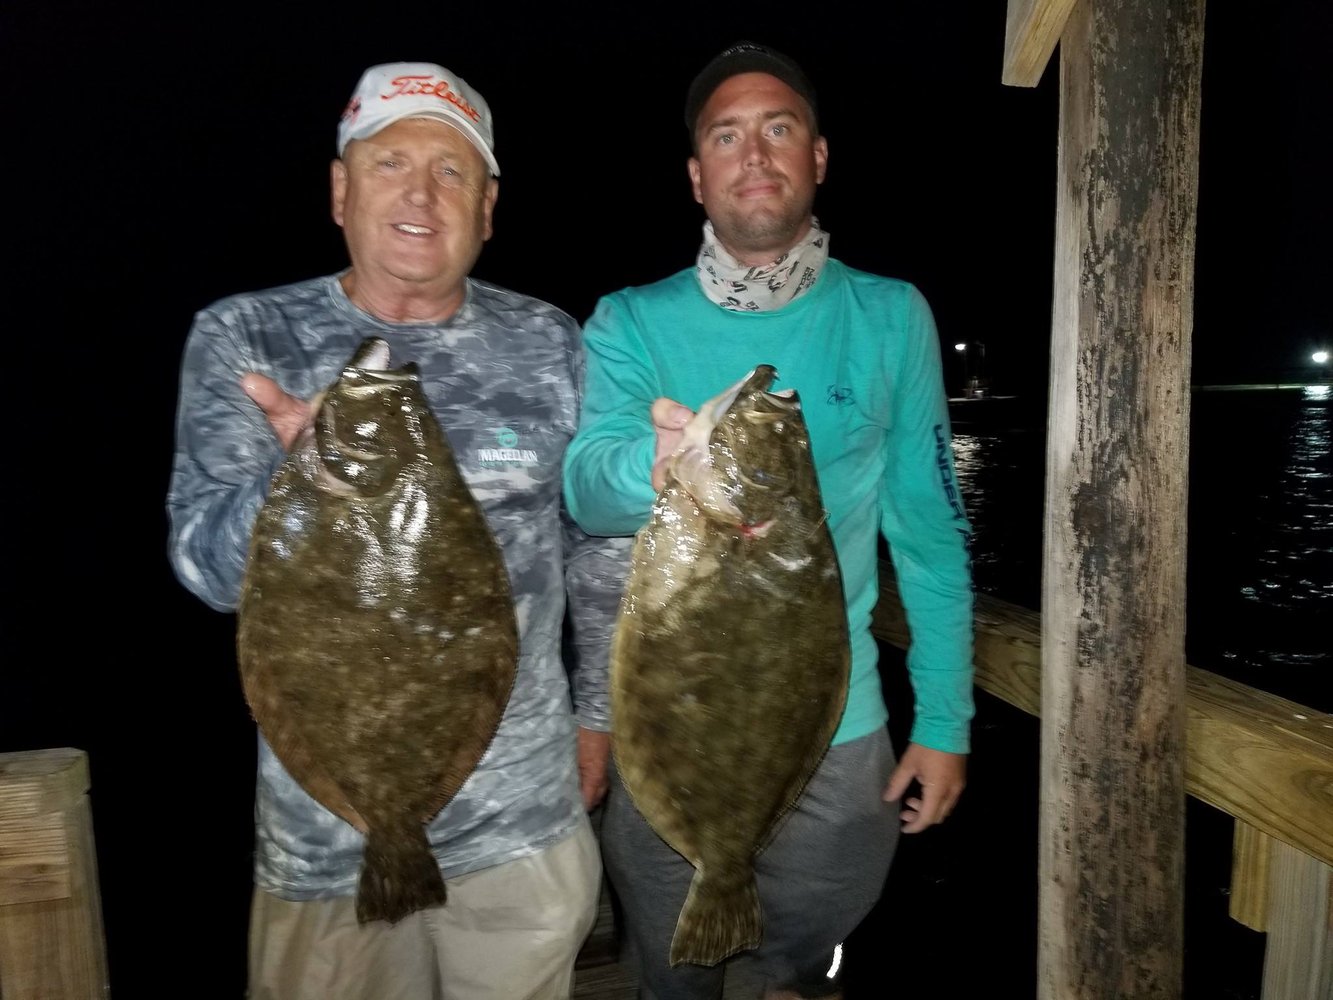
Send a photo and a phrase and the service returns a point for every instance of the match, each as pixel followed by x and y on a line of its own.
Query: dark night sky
pixel 162 159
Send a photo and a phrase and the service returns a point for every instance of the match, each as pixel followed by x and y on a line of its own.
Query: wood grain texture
pixel 1263 759
pixel 51 940
pixel 1251 864
pixel 1031 30
pixel 1298 962
pixel 1111 844
pixel 35 860
pixel 37 782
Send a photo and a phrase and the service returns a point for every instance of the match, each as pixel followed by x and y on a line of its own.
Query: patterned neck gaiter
pixel 733 285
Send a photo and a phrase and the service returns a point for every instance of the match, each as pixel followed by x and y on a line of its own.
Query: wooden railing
pixel 1266 761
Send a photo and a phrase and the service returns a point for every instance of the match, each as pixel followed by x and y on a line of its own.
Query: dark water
pixel 1259 583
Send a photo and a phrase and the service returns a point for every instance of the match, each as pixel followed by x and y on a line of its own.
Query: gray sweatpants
pixel 818 879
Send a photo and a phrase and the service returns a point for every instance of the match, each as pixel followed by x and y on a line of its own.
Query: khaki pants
pixel 510 932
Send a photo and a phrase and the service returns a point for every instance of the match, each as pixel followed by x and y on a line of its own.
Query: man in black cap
pixel 863 353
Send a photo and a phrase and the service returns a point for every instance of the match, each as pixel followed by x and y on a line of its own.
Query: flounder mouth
pixel 369 367
pixel 365 383
pixel 692 465
pixel 372 355
pixel 767 407
pixel 757 381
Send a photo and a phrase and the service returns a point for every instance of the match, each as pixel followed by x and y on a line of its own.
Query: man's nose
pixel 756 150
pixel 419 187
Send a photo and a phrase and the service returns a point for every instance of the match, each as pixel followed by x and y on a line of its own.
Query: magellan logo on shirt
pixel 509 453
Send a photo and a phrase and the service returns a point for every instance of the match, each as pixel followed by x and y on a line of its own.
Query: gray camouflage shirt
pixel 503 376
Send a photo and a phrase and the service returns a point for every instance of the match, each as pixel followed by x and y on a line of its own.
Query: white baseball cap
pixel 391 92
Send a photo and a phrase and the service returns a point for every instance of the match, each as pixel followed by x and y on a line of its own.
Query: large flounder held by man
pixel 730 661
pixel 376 632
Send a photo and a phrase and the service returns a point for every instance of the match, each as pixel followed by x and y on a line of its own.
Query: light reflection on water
pixel 1260 534
pixel 1286 574
pixel 1000 477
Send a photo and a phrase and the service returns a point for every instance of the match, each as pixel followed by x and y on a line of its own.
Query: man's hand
pixel 669 420
pixel 287 415
pixel 594 749
pixel 941 776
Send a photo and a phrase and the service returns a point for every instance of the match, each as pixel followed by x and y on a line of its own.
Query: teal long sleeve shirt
pixel 863 353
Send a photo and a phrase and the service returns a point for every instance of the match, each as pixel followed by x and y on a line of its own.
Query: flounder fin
pixel 717 922
pixel 398 875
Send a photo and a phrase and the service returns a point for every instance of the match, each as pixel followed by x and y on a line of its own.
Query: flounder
pixel 376 633
pixel 730 660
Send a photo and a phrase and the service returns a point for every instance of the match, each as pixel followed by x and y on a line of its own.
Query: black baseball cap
pixel 746 57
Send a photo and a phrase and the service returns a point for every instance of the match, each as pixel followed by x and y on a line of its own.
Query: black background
pixel 159 157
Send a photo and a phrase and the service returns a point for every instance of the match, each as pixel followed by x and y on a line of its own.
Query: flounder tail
pixel 399 874
pixel 717 921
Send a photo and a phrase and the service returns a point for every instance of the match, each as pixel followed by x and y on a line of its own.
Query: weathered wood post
pixel 1113 593
pixel 51 944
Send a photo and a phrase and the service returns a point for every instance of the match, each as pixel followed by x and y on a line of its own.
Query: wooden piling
pixel 51 940
pixel 1113 589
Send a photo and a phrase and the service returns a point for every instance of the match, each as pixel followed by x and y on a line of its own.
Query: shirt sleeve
pixel 595 579
pixel 924 521
pixel 596 568
pixel 225 458
pixel 608 467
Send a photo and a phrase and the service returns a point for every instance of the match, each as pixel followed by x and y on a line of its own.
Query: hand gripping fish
pixel 376 633
pixel 730 659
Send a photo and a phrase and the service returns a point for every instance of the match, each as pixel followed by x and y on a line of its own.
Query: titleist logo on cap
pixel 416 86
pixel 413 86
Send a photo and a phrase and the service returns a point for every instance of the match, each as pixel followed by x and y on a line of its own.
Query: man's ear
pixel 338 189
pixel 693 167
pixel 488 206
pixel 821 159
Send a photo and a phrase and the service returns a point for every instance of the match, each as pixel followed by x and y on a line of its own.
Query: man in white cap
pixel 414 187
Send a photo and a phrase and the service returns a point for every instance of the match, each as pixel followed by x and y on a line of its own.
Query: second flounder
pixel 730 661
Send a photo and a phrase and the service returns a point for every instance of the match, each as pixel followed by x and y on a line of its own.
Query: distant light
pixel 837 961
pixel 1318 357
pixel 963 347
